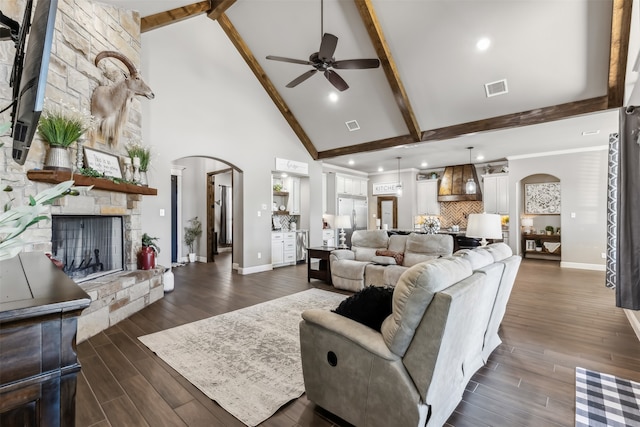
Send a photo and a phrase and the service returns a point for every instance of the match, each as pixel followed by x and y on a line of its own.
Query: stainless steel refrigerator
pixel 357 210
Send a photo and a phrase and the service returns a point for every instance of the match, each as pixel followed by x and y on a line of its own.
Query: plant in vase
pixel 147 255
pixel 60 127
pixel 191 234
pixel 549 230
pixel 15 220
pixel 143 154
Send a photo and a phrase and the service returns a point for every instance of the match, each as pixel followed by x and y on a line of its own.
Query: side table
pixel 324 268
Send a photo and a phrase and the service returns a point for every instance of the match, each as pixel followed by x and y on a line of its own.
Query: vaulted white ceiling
pixel 555 56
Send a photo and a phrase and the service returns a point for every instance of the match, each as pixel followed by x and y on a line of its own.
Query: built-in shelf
pixel 281 193
pixel 280 212
pixel 55 177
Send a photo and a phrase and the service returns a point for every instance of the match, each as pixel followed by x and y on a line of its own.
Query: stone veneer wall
pixel 82 30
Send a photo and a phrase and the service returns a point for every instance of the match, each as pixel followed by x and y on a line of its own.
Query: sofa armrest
pixel 355 332
pixel 339 254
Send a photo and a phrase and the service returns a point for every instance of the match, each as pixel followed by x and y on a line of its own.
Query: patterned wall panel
pixel 612 196
pixel 455 213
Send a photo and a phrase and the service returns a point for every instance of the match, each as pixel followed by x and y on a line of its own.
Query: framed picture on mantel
pixel 105 163
pixel 542 199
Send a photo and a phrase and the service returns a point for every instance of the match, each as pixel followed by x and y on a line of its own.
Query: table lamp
pixel 484 226
pixel 527 223
pixel 342 222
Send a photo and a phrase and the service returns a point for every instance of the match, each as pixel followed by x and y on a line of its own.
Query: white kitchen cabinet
pixel 293 204
pixel 427 197
pixel 496 193
pixel 350 185
pixel 283 249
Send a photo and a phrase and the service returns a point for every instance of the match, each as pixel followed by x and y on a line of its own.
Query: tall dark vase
pixel 146 258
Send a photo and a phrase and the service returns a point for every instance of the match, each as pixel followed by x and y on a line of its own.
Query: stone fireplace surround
pixel 116 296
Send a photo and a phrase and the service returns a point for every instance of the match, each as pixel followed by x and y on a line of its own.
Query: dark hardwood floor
pixel 556 319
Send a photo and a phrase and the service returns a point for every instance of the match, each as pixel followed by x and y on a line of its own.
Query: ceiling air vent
pixel 496 88
pixel 352 125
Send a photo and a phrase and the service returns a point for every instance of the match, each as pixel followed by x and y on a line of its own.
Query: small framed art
pixel 105 163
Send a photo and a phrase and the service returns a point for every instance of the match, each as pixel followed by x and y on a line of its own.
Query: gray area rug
pixel 247 360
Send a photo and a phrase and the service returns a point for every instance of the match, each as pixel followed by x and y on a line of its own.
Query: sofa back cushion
pixel 477 257
pixel 499 251
pixel 365 243
pixel 397 242
pixel 413 294
pixel 425 247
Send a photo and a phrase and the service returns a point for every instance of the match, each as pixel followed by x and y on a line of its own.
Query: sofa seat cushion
pixel 369 306
pixel 349 269
pixel 383 260
pixel 413 294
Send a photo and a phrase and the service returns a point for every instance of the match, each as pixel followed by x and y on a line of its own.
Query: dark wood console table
pixel 39 307
pixel 324 268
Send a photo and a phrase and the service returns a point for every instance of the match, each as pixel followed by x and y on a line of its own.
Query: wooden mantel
pixel 56 176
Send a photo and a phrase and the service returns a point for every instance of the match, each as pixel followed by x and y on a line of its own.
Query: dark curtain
pixel 223 215
pixel 628 211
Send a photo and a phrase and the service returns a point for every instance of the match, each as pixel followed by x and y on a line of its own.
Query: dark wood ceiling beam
pixel 526 118
pixel 371 23
pixel 218 7
pixel 620 32
pixel 161 19
pixel 266 83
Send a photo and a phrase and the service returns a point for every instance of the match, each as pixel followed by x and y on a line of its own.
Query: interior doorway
pixel 388 211
pixel 219 212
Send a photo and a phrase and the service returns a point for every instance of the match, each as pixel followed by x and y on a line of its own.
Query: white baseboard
pixel 634 319
pixel 583 266
pixel 255 269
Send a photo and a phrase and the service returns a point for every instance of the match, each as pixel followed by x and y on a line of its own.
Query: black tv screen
pixel 30 73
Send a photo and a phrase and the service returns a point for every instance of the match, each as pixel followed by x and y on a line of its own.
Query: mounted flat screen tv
pixel 29 74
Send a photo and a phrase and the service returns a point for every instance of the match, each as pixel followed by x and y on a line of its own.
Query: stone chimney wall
pixel 82 30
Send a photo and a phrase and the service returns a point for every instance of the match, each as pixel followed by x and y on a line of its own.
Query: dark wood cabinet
pixel 39 308
pixel 530 251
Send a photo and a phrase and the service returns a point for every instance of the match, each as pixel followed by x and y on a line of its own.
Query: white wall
pixel 406 202
pixel 583 184
pixel 208 103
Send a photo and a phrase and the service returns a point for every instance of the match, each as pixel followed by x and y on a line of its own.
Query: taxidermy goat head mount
pixel 110 104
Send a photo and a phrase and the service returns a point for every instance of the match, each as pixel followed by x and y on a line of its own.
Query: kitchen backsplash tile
pixel 454 213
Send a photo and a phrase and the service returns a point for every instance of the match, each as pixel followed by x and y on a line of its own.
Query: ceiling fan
pixel 323 60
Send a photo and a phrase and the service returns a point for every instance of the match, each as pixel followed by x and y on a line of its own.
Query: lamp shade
pixel 484 226
pixel 342 221
pixel 527 222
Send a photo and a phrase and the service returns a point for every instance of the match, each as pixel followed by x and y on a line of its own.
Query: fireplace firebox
pixel 88 246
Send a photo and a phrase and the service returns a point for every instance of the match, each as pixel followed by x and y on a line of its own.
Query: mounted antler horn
pixel 117 55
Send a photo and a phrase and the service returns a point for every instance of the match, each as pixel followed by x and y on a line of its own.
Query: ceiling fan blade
pixel 295 82
pixel 336 80
pixel 356 64
pixel 327 47
pixel 283 59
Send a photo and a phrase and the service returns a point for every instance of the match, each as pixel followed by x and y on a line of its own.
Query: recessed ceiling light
pixel 333 97
pixel 480 157
pixel 351 162
pixel 590 132
pixel 283 175
pixel 483 44
pixel 423 164
pixel 380 169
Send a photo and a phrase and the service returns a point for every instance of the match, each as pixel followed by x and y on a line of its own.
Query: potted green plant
pixel 147 255
pixel 191 233
pixel 549 229
pixel 143 154
pixel 60 127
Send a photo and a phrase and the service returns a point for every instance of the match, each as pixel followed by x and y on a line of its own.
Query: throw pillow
pixel 369 306
pixel 399 256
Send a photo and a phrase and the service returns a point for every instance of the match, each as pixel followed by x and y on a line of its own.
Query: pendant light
pixel 470 186
pixel 399 185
